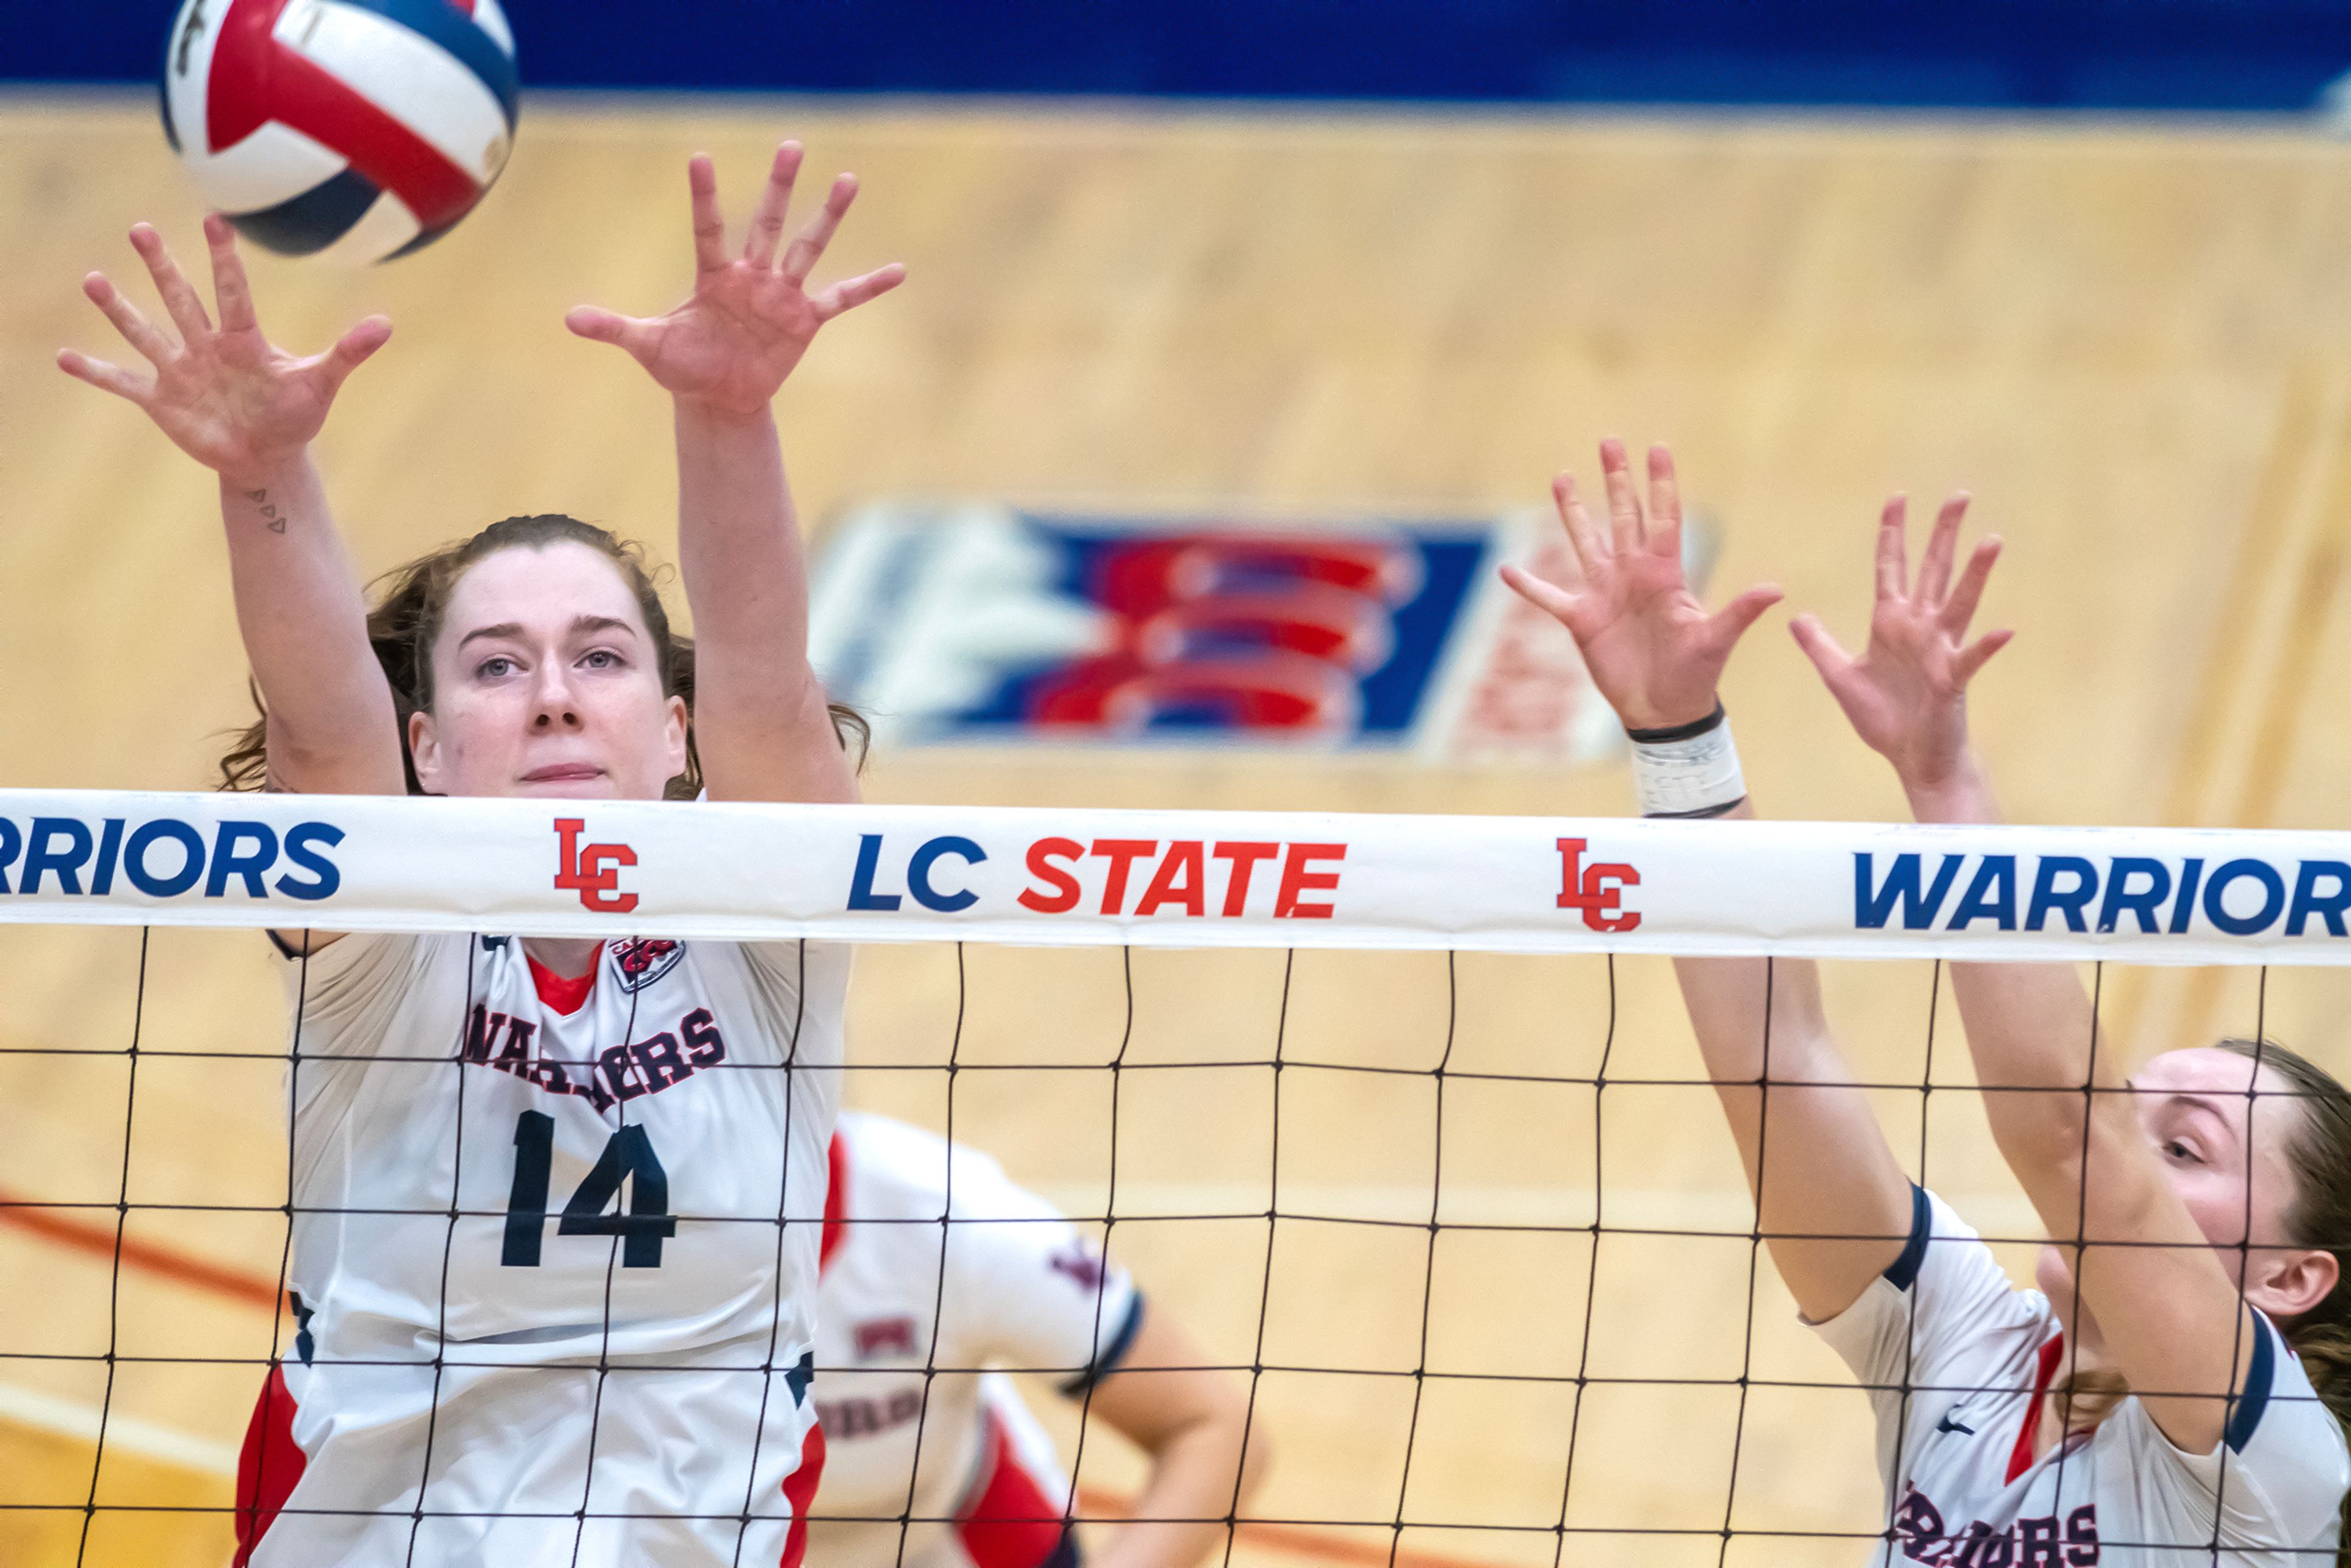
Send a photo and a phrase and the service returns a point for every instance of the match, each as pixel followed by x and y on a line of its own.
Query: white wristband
pixel 1686 774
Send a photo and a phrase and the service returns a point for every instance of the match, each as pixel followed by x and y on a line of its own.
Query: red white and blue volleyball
pixel 357 129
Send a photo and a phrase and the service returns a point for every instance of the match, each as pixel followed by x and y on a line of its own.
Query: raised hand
pixel 224 395
pixel 1653 650
pixel 749 318
pixel 1906 695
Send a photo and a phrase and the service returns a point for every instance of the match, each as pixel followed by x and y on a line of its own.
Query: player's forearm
pixel 2028 1025
pixel 1181 1518
pixel 760 716
pixel 304 623
pixel 739 541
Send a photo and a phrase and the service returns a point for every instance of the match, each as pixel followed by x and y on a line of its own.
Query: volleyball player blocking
pixel 497 1362
pixel 2176 1388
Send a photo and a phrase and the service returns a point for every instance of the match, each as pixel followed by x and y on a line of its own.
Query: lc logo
pixel 592 871
pixel 1598 889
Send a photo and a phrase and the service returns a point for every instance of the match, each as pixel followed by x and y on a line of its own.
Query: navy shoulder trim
pixel 1113 1353
pixel 1903 1273
pixel 2254 1397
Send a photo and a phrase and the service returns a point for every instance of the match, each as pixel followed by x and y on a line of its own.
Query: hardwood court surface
pixel 2133 342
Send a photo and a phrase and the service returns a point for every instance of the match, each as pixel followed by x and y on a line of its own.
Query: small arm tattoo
pixel 275 523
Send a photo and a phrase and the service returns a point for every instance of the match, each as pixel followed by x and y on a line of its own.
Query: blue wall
pixel 2112 54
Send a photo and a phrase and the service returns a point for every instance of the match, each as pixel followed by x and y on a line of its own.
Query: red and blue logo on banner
pixel 991 625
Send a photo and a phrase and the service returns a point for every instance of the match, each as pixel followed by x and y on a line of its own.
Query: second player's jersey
pixel 1957 1360
pixel 1025 1289
pixel 488 1157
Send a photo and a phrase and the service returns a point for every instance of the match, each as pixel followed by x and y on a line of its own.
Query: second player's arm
pixel 1192 1420
pixel 2170 1313
pixel 1829 1193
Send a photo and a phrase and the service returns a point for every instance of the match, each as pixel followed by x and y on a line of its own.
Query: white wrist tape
pixel 1690 771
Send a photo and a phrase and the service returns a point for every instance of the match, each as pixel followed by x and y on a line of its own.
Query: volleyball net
pixel 1399 1116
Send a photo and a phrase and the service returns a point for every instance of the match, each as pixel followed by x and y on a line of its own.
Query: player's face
pixel 545 682
pixel 2199 1110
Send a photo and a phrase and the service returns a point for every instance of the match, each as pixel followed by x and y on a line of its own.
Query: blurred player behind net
pixel 1024 1289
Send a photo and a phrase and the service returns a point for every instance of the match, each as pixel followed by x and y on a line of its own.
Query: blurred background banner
pixel 2207 55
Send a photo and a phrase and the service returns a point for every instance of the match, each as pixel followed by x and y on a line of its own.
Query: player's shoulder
pixel 895 1164
pixel 2285 1436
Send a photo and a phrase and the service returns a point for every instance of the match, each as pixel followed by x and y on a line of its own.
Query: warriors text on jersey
pixel 551 1309
pixel 1956 1360
pixel 1025 1289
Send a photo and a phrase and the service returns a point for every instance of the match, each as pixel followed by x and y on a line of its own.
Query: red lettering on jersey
pixel 877 1335
pixel 592 871
pixel 1598 890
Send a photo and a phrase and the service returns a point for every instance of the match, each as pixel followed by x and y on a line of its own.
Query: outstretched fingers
pixel 1548 597
pixel 1827 656
pixel 800 259
pixel 1978 653
pixel 232 290
pixel 1893 553
pixel 709 224
pixel 354 349
pixel 768 219
pixel 136 329
pixel 1623 501
pixel 1589 544
pixel 855 291
pixel 105 377
pixel 1942 548
pixel 1730 623
pixel 1665 504
pixel 638 337
pixel 179 294
pixel 1960 608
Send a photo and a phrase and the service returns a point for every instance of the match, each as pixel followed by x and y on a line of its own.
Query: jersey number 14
pixel 628 1156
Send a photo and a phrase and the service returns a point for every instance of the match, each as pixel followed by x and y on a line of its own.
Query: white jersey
pixel 541 1241
pixel 1025 1289
pixel 1956 1360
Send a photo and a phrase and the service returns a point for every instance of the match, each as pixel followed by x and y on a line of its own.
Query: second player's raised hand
pixel 226 395
pixel 751 317
pixel 1653 650
pixel 1906 696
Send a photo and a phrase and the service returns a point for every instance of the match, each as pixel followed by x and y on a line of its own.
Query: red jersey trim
pixel 564 995
pixel 836 1201
pixel 2020 1459
pixel 267 1467
pixel 1008 1521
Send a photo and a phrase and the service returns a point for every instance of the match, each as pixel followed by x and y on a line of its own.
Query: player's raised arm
pixel 1656 654
pixel 249 411
pixel 762 724
pixel 2169 1312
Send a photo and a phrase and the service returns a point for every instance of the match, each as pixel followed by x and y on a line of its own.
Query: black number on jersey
pixel 628 1156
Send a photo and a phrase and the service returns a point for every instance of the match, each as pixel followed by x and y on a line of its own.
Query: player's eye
pixel 600 659
pixel 2174 1148
pixel 496 668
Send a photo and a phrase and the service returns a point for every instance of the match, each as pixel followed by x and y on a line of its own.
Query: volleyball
pixel 359 129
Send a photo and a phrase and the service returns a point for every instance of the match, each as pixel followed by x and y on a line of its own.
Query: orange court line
pixel 97 1239
pixel 1296 1540
pixel 68 1228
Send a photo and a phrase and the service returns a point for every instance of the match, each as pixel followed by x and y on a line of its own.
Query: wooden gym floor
pixel 2133 343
